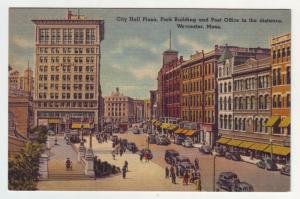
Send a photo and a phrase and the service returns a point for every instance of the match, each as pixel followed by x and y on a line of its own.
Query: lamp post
pixel 81 128
pixel 214 170
pixel 271 149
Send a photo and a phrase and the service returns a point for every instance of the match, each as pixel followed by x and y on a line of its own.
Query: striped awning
pixel 272 121
pixel 78 126
pixel 178 131
pixel 165 126
pixel 172 127
pixel 285 122
pixel 190 132
pixel 246 144
pixel 259 146
pixel 184 131
pixel 223 140
pixel 234 142
pixel 278 150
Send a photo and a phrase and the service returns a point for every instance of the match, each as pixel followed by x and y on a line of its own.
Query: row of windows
pixel 172 99
pixel 66 104
pixel 43 95
pixel 279 79
pixel 196 71
pixel 67 36
pixel 249 102
pixel 44 86
pixel 196 116
pixel 116 114
pixel 116 104
pixel 67 68
pixel 81 60
pixel 56 50
pixel 225 87
pixel 281 102
pixel 282 53
pixel 66 77
pixel 244 84
pixel 225 70
pixel 196 100
pixel 116 99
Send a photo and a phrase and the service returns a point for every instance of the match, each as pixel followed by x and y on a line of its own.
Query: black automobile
pixel 242 187
pixel 227 180
pixel 205 149
pixel 220 151
pixel 233 155
pixel 286 170
pixel 132 147
pixel 136 131
pixel 124 142
pixel 152 139
pixel 185 167
pixel 148 151
pixel 180 158
pixel 267 164
pixel 170 156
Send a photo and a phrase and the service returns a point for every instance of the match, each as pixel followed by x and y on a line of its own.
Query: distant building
pixel 138 110
pixel 153 104
pixel 118 109
pixel 23 81
pixel 147 109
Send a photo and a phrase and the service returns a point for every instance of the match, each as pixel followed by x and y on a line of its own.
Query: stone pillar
pixel 89 166
pixel 81 152
pixel 43 166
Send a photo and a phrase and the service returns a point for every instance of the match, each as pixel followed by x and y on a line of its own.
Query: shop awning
pixel 223 140
pixel 278 150
pixel 234 142
pixel 258 147
pixel 272 121
pixel 178 131
pixel 285 122
pixel 172 127
pixel 190 132
pixel 78 126
pixel 157 123
pixel 184 131
pixel 53 121
pixel 165 125
pixel 153 121
pixel 246 144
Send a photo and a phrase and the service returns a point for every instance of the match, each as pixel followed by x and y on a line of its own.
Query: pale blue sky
pixel 131 53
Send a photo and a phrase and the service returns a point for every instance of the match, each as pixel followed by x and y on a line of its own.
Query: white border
pixel 244 4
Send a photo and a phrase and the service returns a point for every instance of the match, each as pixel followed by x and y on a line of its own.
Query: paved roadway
pixel 261 180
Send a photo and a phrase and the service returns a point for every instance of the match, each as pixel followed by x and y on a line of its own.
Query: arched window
pixel 240 103
pixel 225 122
pixel 225 103
pixel 229 103
pixel 261 125
pixel 255 125
pixel 274 101
pixel 266 102
pixel 225 87
pixel 229 87
pixel 221 88
pixel 240 123
pixel 244 124
pixel 247 103
pixel 235 124
pixel 288 100
pixel 252 102
pixel 230 122
pixel 235 105
pixel 260 102
pixel 279 101
pixel 221 103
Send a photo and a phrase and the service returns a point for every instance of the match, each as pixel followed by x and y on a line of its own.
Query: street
pixel 261 180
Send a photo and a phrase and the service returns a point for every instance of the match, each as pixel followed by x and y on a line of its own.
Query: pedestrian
pixel 198 184
pixel 196 163
pixel 173 176
pixel 126 165
pixel 167 172
pixel 113 154
pixel 177 171
pixel 121 151
pixel 146 156
pixel 141 157
pixel 124 172
pixel 185 178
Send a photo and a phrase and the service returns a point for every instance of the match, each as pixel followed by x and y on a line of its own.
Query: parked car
pixel 187 143
pixel 152 139
pixel 162 140
pixel 170 156
pixel 227 180
pixel 286 170
pixel 180 159
pixel 220 151
pixel 205 149
pixel 185 166
pixel 51 133
pixel 242 187
pixel 267 164
pixel 125 142
pixel 179 140
pixel 136 131
pixel 233 155
pixel 132 147
pixel 150 155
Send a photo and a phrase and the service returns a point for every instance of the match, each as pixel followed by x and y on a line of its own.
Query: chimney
pixel 69 14
pixel 181 59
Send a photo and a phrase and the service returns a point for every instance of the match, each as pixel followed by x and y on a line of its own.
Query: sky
pixel 131 52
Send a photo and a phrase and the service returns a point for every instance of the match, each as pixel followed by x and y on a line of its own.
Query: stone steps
pixel 70 176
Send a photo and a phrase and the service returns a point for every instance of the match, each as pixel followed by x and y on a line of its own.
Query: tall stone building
pixel 119 109
pixel 153 104
pixel 67 72
pixel 138 110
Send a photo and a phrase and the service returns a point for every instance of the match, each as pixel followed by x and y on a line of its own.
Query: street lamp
pixel 214 170
pixel 271 149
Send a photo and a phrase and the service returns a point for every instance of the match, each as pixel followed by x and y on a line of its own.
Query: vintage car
pixel 227 180
pixel 233 155
pixel 286 170
pixel 267 164
pixel 170 156
pixel 152 139
pixel 185 166
pixel 132 147
pixel 162 140
pixel 187 143
pixel 242 187
pixel 205 149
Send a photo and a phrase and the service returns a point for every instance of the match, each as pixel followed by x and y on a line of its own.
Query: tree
pixel 23 169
